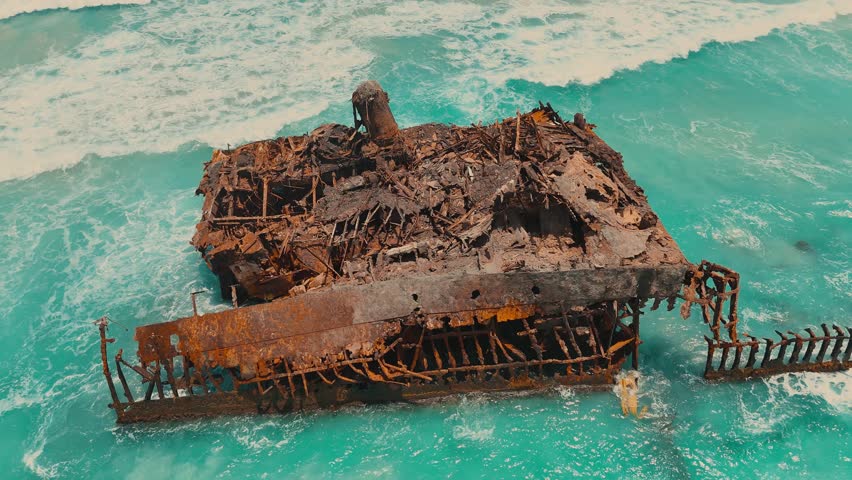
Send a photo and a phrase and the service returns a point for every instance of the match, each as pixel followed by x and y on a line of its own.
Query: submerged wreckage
pixel 401 264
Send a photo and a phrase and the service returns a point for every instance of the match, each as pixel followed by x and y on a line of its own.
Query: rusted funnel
pixel 372 104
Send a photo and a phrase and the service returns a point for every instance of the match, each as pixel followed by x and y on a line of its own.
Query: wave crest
pixel 10 8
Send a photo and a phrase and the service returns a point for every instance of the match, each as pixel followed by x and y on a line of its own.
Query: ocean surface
pixel 733 115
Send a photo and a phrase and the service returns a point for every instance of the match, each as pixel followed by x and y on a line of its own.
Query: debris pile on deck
pixel 400 264
pixel 530 193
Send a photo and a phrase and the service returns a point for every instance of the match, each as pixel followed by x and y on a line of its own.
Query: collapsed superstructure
pixel 400 264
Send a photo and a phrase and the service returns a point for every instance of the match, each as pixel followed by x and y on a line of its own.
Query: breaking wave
pixel 779 403
pixel 834 388
pixel 223 72
pixel 10 8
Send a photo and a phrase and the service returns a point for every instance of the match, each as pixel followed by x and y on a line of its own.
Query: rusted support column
pixel 159 383
pixel 711 349
pixel 435 353
pixel 848 352
pixel 372 104
pixel 187 378
pixel 465 357
pixel 150 391
pixel 493 345
pixel 479 353
pixel 537 348
pixel 102 326
pixel 718 306
pixel 290 379
pixel 571 337
pixel 170 375
pixel 562 344
pixel 811 345
pixel 733 280
pixel 826 340
pixel 121 377
pixel 723 362
pixel 265 195
pixel 754 346
pixel 450 355
pixel 782 352
pixel 635 327
pixel 418 350
pixel 838 342
pixel 794 357
pixel 738 352
pixel 768 354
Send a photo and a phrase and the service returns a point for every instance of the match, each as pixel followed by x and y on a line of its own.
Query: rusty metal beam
pixel 318 322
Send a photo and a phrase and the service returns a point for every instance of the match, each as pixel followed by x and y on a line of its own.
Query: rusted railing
pixel 758 357
pixel 710 286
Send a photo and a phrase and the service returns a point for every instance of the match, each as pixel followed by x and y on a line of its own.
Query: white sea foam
pixel 840 281
pixel 624 34
pixel 10 8
pixel 834 388
pixel 468 422
pixel 30 460
pixel 759 157
pixel 25 391
pixel 778 402
pixel 169 72
pixel 841 213
pixel 150 465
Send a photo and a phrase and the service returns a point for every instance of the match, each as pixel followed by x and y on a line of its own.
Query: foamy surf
pixel 625 35
pixel 835 388
pixel 221 72
pixel 10 8
pixel 779 402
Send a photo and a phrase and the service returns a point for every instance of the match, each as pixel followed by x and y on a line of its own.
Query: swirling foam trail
pixel 229 71
pixel 10 8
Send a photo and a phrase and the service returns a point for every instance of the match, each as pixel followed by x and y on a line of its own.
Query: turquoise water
pixel 734 117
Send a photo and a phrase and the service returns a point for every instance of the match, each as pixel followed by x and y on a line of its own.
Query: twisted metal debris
pixel 710 286
pixel 335 206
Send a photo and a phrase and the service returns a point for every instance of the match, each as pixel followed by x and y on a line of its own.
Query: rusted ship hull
pixel 512 332
pixel 429 336
pixel 408 263
pixel 325 396
pixel 277 396
pixel 403 264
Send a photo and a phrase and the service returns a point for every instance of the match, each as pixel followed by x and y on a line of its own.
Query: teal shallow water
pixel 743 148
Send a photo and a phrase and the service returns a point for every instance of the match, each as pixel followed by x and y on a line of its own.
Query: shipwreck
pixel 390 264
